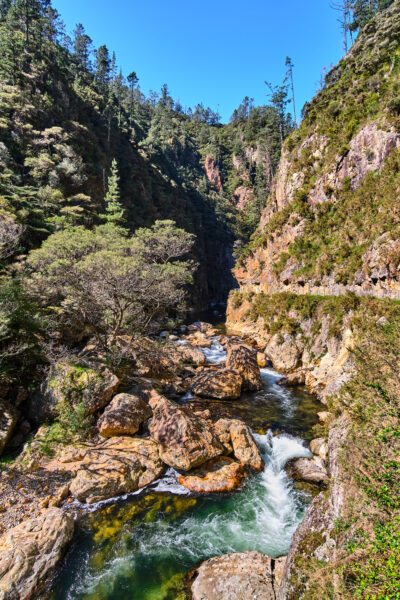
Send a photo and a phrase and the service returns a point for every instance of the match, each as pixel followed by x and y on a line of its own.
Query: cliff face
pixel 317 283
pixel 332 221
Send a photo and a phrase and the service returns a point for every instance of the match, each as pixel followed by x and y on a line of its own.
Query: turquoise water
pixel 142 547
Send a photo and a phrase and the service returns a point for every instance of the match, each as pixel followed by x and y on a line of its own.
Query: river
pixel 141 547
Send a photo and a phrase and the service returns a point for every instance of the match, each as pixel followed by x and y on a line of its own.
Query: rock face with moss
pixel 71 383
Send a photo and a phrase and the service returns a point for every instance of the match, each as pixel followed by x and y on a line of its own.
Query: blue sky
pixel 215 52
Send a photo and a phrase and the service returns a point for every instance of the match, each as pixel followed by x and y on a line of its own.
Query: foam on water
pixel 216 353
pixel 261 516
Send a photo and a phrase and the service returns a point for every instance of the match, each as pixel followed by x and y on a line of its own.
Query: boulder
pixel 261 359
pixel 75 384
pixel 8 420
pixel 236 435
pixel 319 447
pixel 222 384
pixel 243 360
pixel 123 416
pixel 310 470
pixel 221 474
pixel 191 353
pixel 31 551
pixel 241 576
pixel 293 379
pixel 119 465
pixel 186 441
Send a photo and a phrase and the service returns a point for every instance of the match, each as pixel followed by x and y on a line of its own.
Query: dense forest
pixel 71 123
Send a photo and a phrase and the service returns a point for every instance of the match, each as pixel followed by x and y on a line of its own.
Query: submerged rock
pixel 310 470
pixel 118 466
pixel 241 576
pixel 123 416
pixel 221 474
pixel 186 441
pixel 236 435
pixel 243 360
pixel 222 384
pixel 30 552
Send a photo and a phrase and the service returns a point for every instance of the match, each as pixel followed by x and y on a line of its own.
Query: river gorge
pixel 143 545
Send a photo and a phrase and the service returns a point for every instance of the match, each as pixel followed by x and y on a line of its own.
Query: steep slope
pixel 319 288
pixel 332 220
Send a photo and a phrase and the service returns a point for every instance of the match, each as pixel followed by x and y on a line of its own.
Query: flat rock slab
pixel 120 465
pixel 220 474
pixel 123 416
pixel 221 384
pixel 30 552
pixel 242 576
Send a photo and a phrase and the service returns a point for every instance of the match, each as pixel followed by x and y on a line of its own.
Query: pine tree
pixel 289 77
pixel 103 66
pixel 82 48
pixel 114 210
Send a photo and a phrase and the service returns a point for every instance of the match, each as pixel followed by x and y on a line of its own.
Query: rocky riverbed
pixel 176 474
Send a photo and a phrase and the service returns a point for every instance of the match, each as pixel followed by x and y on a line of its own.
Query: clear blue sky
pixel 213 51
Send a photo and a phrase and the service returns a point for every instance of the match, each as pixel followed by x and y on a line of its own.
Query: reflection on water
pixel 142 548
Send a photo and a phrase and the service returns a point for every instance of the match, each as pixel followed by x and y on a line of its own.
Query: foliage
pixel 110 282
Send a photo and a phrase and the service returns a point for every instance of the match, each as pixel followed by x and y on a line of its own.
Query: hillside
pixel 331 222
pixel 319 289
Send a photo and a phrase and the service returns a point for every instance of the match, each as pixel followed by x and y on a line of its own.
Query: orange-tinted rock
pixel 220 474
pixel 123 416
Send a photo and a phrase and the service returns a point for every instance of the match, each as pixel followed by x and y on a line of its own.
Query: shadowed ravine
pixel 143 546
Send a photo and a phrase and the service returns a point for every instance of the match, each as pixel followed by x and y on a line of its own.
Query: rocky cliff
pixel 332 221
pixel 317 284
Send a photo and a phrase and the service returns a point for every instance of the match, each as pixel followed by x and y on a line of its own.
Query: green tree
pixel 109 282
pixel 114 210
pixel 82 46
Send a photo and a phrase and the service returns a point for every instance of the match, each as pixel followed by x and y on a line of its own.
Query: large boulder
pixel 30 552
pixel 243 360
pixel 221 474
pixel 118 466
pixel 186 441
pixel 191 353
pixel 123 416
pixel 242 576
pixel 8 420
pixel 222 384
pixel 236 435
pixel 310 470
